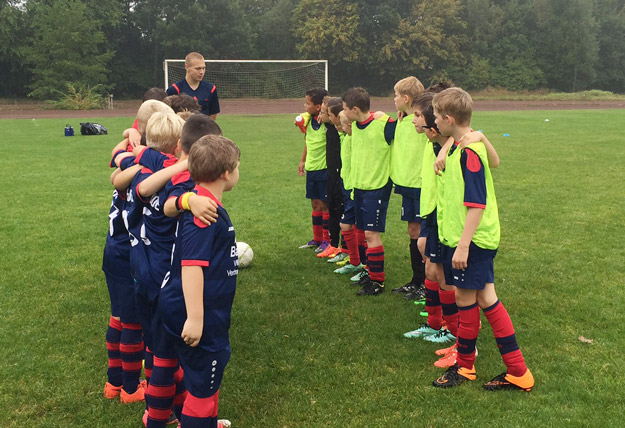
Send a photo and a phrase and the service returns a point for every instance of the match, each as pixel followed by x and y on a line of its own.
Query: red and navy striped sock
pixel 375 263
pixel 200 412
pixel 503 329
pixel 113 336
pixel 450 310
pixel 468 329
pixel 433 305
pixel 161 391
pixel 351 245
pixel 181 392
pixel 131 349
pixel 317 225
pixel 326 226
pixel 148 365
pixel 362 245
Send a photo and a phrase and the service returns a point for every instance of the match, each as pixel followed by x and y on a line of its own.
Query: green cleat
pixel 359 276
pixel 338 258
pixel 441 336
pixel 349 268
pixel 423 331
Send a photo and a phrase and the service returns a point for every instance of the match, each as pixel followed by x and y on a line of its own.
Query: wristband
pixel 184 201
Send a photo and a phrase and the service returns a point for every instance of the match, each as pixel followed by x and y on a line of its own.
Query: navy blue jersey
pixel 179 184
pixel 474 179
pixel 205 95
pixel 214 249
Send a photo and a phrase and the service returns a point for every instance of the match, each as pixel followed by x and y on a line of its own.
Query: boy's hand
pixel 203 208
pixel 470 138
pixel 460 258
pixel 192 332
pixel 300 168
pixel 439 164
pixel 134 137
pixel 378 114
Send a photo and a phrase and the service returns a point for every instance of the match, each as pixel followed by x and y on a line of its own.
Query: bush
pixel 79 97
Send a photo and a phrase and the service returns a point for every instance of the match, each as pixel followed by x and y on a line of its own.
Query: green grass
pixel 306 351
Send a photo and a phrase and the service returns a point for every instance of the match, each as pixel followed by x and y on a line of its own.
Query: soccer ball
pixel 246 255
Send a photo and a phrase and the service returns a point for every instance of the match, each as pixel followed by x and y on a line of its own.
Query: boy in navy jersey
pixel 196 299
pixel 468 222
pixel 313 165
pixel 203 92
pixel 370 176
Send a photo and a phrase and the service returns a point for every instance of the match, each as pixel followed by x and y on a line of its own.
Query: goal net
pixel 256 78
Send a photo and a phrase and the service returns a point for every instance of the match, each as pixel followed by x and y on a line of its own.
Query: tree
pixel 75 55
pixel 13 71
pixel 611 63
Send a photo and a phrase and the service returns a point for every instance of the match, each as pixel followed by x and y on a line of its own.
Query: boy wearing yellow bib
pixel 468 226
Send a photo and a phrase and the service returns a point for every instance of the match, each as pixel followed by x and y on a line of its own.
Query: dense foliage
pixel 568 45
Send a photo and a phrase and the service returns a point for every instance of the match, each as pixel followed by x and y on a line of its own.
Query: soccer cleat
pixel 343 262
pixel 424 330
pixel 371 288
pixel 447 360
pixel 417 293
pixel 322 247
pixel 360 276
pixel 445 351
pixel 138 395
pixel 223 423
pixel 310 244
pixel 454 376
pixel 408 288
pixel 349 268
pixel 328 252
pixel 442 336
pixel 507 381
pixel 111 391
pixel 338 258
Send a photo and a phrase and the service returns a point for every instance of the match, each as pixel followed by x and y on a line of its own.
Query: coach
pixel 203 92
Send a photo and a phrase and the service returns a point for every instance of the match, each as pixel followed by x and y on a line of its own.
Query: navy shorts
pixel 479 271
pixel 317 184
pixel 147 305
pixel 410 203
pixel 203 370
pixel 371 208
pixel 433 246
pixel 349 208
pixel 122 293
pixel 163 343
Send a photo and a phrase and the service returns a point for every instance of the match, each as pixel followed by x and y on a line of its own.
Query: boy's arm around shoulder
pixel 477 136
pixel 159 179
pixel 123 179
pixel 439 164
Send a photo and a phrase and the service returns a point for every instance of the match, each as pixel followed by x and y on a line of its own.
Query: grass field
pixel 306 351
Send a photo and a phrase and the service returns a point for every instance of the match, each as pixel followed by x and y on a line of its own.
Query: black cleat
pixel 408 288
pixel 454 376
pixel 418 293
pixel 371 288
pixel 507 381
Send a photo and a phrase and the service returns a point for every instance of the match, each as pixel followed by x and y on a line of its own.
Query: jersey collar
pixel 201 191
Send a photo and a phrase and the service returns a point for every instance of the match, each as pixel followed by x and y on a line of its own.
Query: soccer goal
pixel 256 78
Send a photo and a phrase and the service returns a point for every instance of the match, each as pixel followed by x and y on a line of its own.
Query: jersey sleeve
pixel 213 106
pixel 173 89
pixel 197 243
pixel 179 184
pixel 474 179
pixel 152 159
pixel 136 182
pixel 127 162
pixel 389 130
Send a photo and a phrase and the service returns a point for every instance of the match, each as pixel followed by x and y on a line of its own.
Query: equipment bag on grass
pixel 89 128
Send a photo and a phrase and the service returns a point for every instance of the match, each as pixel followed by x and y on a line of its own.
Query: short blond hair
pixel 147 109
pixel 211 156
pixel 410 86
pixel 454 102
pixel 192 56
pixel 163 131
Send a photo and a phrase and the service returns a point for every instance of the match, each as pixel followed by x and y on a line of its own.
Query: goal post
pixel 256 78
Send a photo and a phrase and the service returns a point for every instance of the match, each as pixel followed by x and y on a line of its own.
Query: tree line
pixel 118 46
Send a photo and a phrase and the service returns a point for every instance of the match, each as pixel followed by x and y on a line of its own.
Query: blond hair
pixel 193 56
pixel 147 109
pixel 454 102
pixel 410 86
pixel 211 156
pixel 163 131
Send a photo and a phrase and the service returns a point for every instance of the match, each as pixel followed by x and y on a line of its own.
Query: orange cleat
pixel 507 381
pixel 328 252
pixel 138 395
pixel 447 360
pixel 111 391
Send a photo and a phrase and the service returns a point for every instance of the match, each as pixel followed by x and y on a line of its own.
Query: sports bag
pixel 89 128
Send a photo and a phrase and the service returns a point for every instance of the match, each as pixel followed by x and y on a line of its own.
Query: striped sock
pixel 503 329
pixel 131 349
pixel 433 305
pixel 113 336
pixel 375 263
pixel 200 412
pixel 450 310
pixel 468 329
pixel 317 224
pixel 161 391
pixel 181 392
pixel 326 226
pixel 362 245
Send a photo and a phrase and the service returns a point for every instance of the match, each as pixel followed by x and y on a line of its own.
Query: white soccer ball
pixel 246 255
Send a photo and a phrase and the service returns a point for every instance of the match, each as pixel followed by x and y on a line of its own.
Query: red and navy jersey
pixel 179 184
pixel 151 233
pixel 205 94
pixel 474 178
pixel 214 249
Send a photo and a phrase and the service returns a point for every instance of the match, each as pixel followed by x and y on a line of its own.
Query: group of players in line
pixel 353 158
